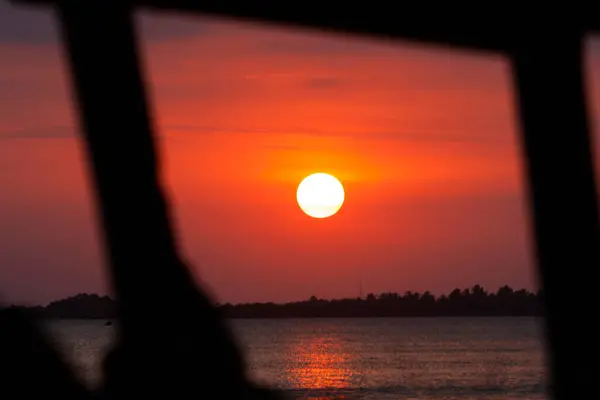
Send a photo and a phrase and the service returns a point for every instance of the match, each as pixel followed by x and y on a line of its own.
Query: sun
pixel 320 195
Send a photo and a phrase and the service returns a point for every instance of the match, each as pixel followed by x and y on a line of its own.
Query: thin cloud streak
pixel 51 132
pixel 181 131
pixel 323 83
pixel 437 136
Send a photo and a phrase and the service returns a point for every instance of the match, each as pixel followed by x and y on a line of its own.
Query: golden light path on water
pixel 321 362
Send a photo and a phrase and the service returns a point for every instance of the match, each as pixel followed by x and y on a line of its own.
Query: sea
pixel 379 358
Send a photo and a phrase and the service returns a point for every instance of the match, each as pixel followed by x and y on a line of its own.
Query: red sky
pixel 423 138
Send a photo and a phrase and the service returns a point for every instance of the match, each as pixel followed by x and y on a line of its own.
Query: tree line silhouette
pixel 474 301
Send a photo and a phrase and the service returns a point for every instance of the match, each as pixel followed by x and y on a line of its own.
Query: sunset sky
pixel 424 140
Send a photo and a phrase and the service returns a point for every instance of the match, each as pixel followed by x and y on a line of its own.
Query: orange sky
pixel 423 138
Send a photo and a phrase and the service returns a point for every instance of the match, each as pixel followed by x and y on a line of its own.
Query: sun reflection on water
pixel 320 363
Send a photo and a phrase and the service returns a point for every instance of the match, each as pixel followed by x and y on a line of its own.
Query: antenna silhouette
pixel 360 288
pixel 360 283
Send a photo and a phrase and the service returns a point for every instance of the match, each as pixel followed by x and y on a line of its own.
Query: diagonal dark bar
pixel 477 26
pixel 547 65
pixel 120 146
pixel 548 73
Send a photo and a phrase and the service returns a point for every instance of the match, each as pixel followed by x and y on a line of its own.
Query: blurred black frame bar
pixel 547 59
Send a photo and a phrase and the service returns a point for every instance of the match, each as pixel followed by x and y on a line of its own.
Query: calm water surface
pixel 429 358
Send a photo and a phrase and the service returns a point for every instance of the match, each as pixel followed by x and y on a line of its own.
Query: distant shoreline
pixel 469 302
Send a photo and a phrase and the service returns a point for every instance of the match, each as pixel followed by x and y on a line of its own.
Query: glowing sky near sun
pixel 424 139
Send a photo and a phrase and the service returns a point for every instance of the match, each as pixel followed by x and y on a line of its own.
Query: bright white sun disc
pixel 320 195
